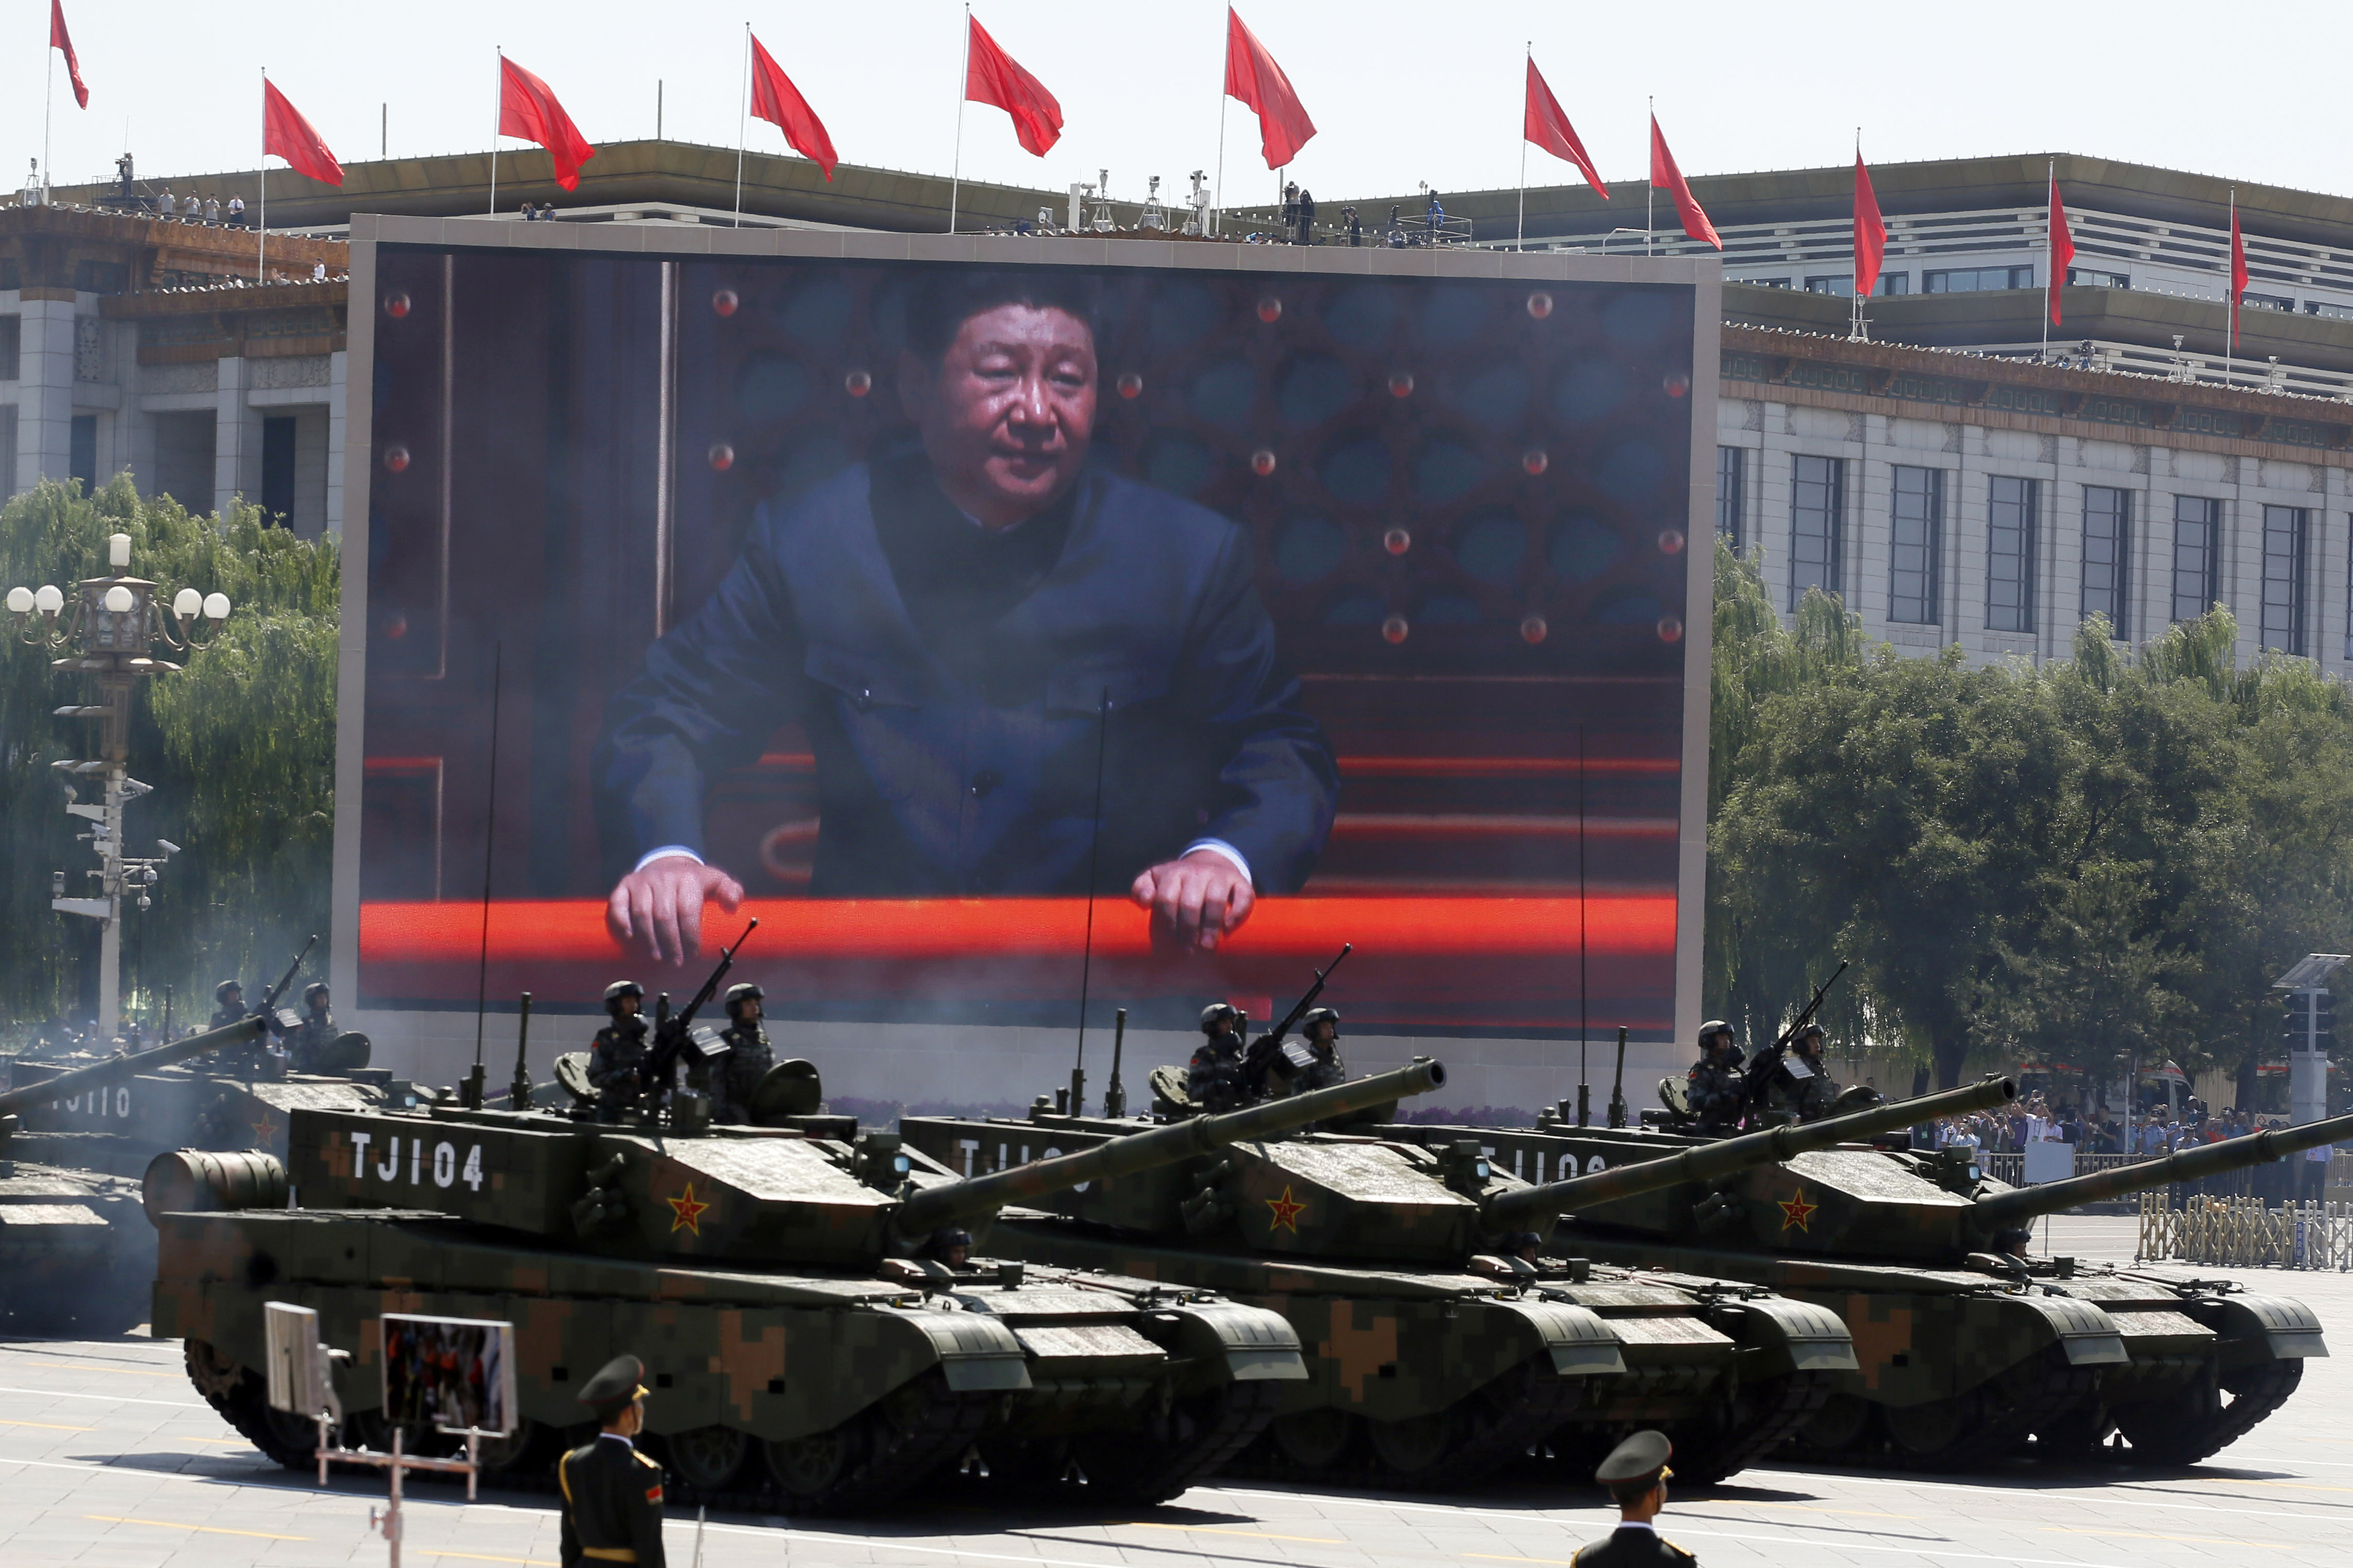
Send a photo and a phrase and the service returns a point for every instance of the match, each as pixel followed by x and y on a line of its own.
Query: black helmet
pixel 1712 1028
pixel 1217 1015
pixel 1319 1015
pixel 946 1240
pixel 619 989
pixel 745 991
pixel 1809 1033
pixel 221 991
pixel 316 988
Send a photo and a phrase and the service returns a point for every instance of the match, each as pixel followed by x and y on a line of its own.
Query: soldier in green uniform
pixel 308 1040
pixel 1214 1079
pixel 229 999
pixel 1636 1474
pixel 1320 1030
pixel 748 1058
pixel 612 1493
pixel 619 1052
pixel 1801 1088
pixel 1714 1088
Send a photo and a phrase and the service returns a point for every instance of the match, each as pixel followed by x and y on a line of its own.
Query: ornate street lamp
pixel 110 632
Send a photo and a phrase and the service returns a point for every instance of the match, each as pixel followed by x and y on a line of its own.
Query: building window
pixel 1817 507
pixel 12 340
pixel 2333 312
pixel 1976 280
pixel 1764 282
pixel 2197 553
pixel 2283 531
pixel 82 450
pixel 2010 554
pixel 1842 284
pixel 1731 469
pixel 2268 302
pixel 2107 556
pixel 2092 277
pixel 1917 540
pixel 102 277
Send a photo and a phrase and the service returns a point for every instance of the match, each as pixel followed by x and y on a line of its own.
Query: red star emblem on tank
pixel 1286 1213
pixel 1797 1211
pixel 689 1213
pixel 264 1131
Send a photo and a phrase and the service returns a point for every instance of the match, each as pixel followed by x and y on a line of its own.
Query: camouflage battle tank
pixel 1439 1347
pixel 1967 1347
pixel 804 1353
pixel 76 1254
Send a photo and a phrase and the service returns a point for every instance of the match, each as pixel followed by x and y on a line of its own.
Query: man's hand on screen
pixel 657 909
pixel 1195 901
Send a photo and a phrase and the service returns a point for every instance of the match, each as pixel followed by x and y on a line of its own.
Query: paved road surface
pixel 107 1457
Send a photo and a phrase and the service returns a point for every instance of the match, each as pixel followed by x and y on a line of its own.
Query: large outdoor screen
pixel 1275 600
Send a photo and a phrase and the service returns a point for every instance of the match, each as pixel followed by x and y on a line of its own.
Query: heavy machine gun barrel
pixel 269 1002
pixel 73 1081
pixel 1710 1161
pixel 978 1195
pixel 671 1030
pixel 1264 1050
pixel 2213 1160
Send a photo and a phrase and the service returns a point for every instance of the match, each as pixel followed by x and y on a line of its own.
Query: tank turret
pixel 111 1070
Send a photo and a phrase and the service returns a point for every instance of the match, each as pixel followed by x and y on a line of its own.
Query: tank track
pixel 1495 1426
pixel 1777 1415
pixel 1237 1413
pixel 2035 1393
pixel 2264 1389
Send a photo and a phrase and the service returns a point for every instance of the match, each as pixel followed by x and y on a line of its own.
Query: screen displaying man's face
pixel 1007 413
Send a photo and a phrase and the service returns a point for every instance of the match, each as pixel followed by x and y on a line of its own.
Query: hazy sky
pixel 1399 92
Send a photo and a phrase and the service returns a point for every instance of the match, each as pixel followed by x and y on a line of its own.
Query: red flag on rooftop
pixel 528 111
pixel 2062 247
pixel 1687 209
pixel 61 41
pixel 1252 77
pixel 991 76
pixel 285 132
pixel 2238 271
pixel 775 100
pixel 1550 129
pixel 1870 232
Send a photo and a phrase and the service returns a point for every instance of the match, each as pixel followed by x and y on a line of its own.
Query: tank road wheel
pixel 1836 1430
pixel 1749 1423
pixel 1990 1422
pixel 1186 1444
pixel 878 1453
pixel 242 1399
pixel 1412 1448
pixel 708 1458
pixel 2208 1415
pixel 1486 1430
pixel 1317 1440
pixel 1025 1465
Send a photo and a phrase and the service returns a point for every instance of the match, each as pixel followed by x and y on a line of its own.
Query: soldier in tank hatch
pixel 228 1004
pixel 1636 1474
pixel 1714 1088
pixel 1320 1030
pixel 612 1493
pixel 1214 1079
pixel 1801 1088
pixel 749 1056
pixel 618 1055
pixel 308 1041
pixel 963 624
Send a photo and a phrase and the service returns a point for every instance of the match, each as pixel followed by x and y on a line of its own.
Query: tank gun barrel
pixel 73 1083
pixel 978 1195
pixel 2213 1160
pixel 1710 1161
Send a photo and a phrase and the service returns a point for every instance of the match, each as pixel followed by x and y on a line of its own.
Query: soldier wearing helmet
pixel 307 1041
pixel 617 1059
pixel 1320 1030
pixel 748 1058
pixel 228 997
pixel 1801 1088
pixel 1214 1079
pixel 1715 1088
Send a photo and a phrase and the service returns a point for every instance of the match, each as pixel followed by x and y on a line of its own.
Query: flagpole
pixel 964 88
pixel 2231 291
pixel 743 125
pixel 1650 185
pixel 1218 192
pixel 2049 256
pixel 48 96
pixel 498 103
pixel 1520 236
pixel 261 218
pixel 1854 280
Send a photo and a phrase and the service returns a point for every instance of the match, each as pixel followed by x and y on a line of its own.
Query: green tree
pixel 239 747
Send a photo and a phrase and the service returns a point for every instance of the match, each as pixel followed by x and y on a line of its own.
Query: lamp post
pixel 110 632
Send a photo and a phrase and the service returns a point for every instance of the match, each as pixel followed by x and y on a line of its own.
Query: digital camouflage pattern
pixel 1966 1348
pixel 1434 1354
pixel 802 1352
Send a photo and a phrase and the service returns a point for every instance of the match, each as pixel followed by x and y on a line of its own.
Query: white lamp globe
pixel 118 549
pixel 20 599
pixel 216 606
pixel 186 602
pixel 119 599
pixel 47 600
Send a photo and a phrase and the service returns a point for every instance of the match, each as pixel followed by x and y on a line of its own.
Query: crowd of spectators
pixel 2095 1130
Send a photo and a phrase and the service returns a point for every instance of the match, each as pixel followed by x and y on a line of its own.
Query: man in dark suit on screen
pixel 957 623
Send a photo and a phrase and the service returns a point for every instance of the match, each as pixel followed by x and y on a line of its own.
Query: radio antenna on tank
pixel 1087 952
pixel 1584 1088
pixel 489 843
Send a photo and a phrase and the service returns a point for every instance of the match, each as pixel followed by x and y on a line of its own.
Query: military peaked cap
pixel 1645 1453
pixel 620 1385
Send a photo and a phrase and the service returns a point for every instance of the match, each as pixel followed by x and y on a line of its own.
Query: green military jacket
pixel 612 1505
pixel 1633 1547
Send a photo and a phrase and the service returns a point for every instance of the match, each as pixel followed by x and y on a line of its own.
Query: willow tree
pixel 239 747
